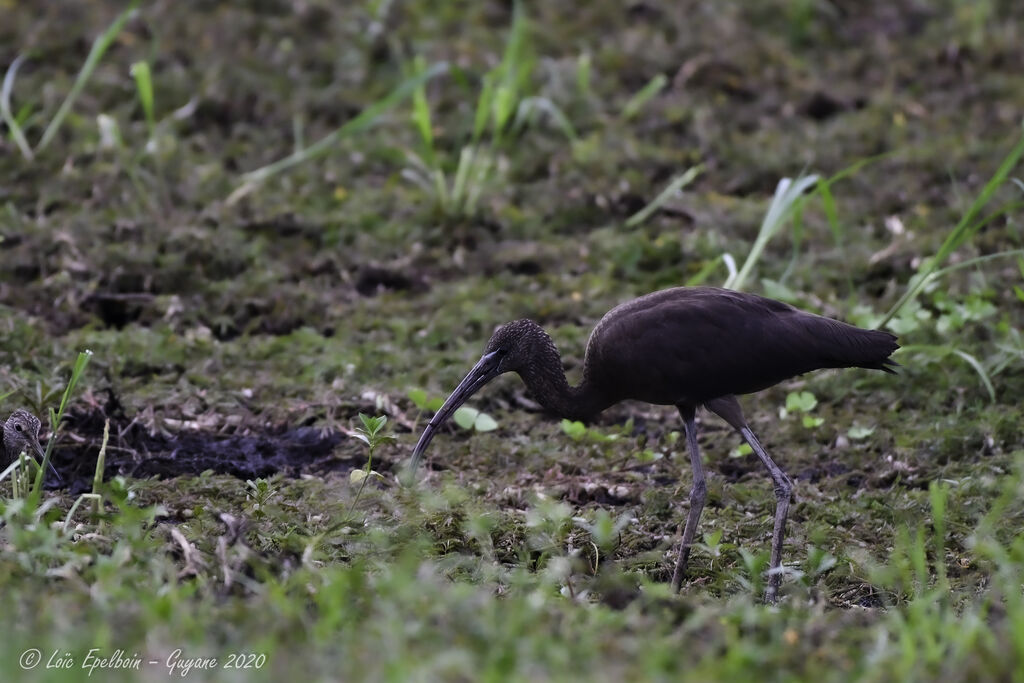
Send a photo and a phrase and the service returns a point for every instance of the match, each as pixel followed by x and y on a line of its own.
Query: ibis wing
pixel 695 344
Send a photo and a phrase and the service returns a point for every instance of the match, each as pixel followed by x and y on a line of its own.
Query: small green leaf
pixel 800 401
pixel 418 397
pixel 857 432
pixel 740 451
pixel 574 429
pixel 810 422
pixel 485 423
pixel 372 424
pixel 435 404
pixel 648 455
pixel 465 417
pixel 357 476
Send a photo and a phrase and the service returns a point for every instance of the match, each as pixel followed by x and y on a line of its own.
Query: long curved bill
pixel 483 372
pixel 42 456
pixel 38 448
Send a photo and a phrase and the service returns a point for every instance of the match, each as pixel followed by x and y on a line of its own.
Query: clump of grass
pixel 964 230
pixel 784 205
pixel 26 474
pixel 504 108
pixel 366 119
pixel 99 48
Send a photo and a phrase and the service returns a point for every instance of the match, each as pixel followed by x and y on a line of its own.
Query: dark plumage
pixel 687 347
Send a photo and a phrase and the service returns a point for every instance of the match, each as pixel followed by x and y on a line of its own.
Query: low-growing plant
pixel 802 403
pixel 99 48
pixel 504 109
pixel 372 434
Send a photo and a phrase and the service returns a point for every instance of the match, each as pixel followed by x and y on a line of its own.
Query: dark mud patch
pixel 133 451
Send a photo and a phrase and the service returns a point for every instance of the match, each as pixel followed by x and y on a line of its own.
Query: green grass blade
pixel 99 48
pixel 466 158
pixel 365 119
pixel 583 68
pixel 980 369
pixel 482 174
pixel 510 76
pixel 5 109
pixel 940 351
pixel 828 205
pixel 101 460
pixel 678 183
pixel 977 260
pixel 533 104
pixel 787 194
pixel 702 275
pixel 828 201
pixel 421 113
pixel 647 93
pixel 963 231
pixel 55 419
pixel 938 494
pixel 144 87
pixel 484 104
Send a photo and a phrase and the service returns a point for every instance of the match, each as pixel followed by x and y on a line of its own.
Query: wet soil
pixel 134 451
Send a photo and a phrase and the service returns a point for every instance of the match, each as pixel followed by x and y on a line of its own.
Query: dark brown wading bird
pixel 20 433
pixel 687 347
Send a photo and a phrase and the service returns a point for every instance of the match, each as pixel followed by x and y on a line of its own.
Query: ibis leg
pixel 698 494
pixel 729 409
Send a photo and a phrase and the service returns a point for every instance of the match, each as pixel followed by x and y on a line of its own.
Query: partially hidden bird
pixel 686 347
pixel 20 435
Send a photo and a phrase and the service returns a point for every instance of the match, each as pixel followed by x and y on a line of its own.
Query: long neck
pixel 545 379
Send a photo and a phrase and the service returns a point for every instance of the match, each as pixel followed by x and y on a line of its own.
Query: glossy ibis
pixel 687 347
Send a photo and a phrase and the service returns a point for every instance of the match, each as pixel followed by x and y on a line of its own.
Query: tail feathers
pixel 886 365
pixel 849 346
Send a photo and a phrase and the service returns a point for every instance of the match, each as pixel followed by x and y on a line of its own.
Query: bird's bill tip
pixel 421 446
pixel 483 372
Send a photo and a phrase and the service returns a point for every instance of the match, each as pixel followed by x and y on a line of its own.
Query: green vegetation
pixel 272 219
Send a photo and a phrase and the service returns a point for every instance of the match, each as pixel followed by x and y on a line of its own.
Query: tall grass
pixel 964 230
pixel 99 48
pixel 366 119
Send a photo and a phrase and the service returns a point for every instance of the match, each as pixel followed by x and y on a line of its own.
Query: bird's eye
pixel 19 427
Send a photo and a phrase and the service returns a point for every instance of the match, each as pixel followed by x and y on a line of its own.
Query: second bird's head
pixel 514 347
pixel 21 433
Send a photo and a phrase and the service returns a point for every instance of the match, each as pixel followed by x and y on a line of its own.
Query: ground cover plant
pixel 284 230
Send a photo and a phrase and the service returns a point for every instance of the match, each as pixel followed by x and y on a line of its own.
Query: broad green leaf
pixel 810 421
pixel 418 397
pixel 465 417
pixel 800 401
pixel 485 423
pixel 857 432
pixel 574 429
pixel 740 451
